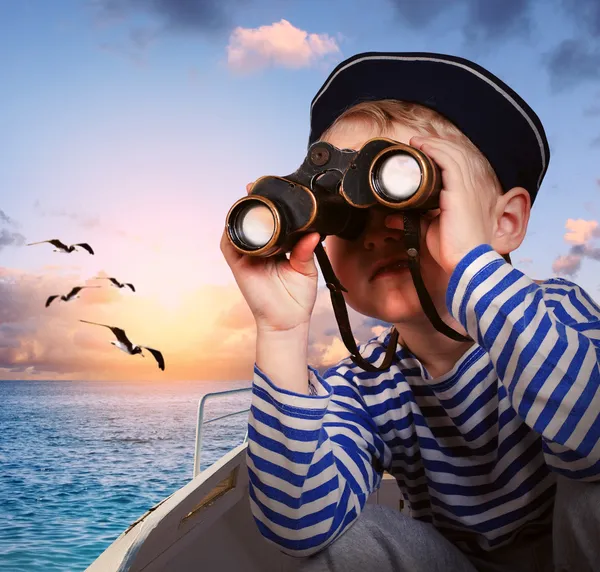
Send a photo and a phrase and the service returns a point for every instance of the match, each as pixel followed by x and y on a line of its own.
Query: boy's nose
pixel 377 234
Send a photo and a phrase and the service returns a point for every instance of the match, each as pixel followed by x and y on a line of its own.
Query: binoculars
pixel 330 194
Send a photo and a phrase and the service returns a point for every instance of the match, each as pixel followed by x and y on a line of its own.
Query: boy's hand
pixel 281 293
pixel 467 203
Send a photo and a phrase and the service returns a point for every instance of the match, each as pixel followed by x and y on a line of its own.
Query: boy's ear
pixel 512 217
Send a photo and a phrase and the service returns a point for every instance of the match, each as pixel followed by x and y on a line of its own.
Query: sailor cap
pixel 493 116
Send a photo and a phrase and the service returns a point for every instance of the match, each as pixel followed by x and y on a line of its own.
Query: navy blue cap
pixel 495 118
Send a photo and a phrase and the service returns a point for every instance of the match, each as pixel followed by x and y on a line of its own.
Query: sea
pixel 81 460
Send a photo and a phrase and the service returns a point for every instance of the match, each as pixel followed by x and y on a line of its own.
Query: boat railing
pixel 201 422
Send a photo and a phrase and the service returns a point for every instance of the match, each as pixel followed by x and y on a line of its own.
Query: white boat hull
pixel 207 525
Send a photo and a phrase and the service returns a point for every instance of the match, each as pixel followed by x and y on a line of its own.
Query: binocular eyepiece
pixel 330 194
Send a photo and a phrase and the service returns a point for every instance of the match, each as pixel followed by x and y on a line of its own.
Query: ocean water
pixel 79 461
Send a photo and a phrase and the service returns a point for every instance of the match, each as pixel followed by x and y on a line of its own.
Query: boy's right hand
pixel 281 293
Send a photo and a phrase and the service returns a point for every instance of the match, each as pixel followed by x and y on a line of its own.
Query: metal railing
pixel 200 421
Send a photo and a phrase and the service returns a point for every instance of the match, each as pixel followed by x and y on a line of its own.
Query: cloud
pixel 5 218
pixel 8 238
pixel 84 221
pixel 581 233
pixel 175 15
pixel 571 62
pixel 278 44
pixel 52 343
pixel 11 238
pixel 419 14
pixel 327 350
pixel 586 250
pixel 485 20
pixel 567 265
pixel 577 59
pixel 32 336
pixel 329 353
pixel 326 347
pixel 586 14
pixel 211 335
pixel 78 218
pixel 23 296
pixel 235 315
pixel 236 330
pixel 490 21
pixel 164 17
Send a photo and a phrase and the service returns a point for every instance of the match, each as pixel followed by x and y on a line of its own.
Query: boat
pixel 207 524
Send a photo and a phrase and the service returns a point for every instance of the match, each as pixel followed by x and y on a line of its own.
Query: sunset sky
pixel 134 125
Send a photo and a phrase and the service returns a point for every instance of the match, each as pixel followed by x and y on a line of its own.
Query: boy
pixel 495 443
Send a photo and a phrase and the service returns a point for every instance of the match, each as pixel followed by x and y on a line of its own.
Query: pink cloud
pixel 40 341
pixel 581 234
pixel 211 335
pixel 568 265
pixel 280 44
pixel 581 230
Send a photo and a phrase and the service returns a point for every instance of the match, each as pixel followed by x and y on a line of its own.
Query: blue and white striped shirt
pixel 475 451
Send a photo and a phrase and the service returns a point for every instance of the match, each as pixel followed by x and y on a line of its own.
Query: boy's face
pixel 390 297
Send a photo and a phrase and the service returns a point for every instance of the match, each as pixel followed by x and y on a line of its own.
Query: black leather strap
pixel 412 242
pixel 341 315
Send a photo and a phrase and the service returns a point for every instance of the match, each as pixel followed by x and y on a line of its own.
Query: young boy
pixel 495 442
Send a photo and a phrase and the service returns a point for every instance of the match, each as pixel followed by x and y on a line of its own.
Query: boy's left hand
pixel 466 204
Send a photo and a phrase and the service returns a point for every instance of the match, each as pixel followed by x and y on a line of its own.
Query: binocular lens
pixel 255 225
pixel 399 177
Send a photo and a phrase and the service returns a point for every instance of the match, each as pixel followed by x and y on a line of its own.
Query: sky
pixel 134 125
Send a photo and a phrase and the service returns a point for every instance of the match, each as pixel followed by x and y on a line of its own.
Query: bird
pixel 125 345
pixel 116 282
pixel 70 296
pixel 62 247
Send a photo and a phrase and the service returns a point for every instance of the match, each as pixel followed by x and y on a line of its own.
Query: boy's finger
pixel 449 165
pixel 447 155
pixel 447 147
pixel 249 187
pixel 302 255
pixel 451 146
pixel 394 221
pixel 230 254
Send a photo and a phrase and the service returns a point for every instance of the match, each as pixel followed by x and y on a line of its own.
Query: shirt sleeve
pixel 313 460
pixel 544 342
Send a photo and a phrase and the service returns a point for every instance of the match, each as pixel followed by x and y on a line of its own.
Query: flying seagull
pixel 125 345
pixel 62 247
pixel 116 282
pixel 70 296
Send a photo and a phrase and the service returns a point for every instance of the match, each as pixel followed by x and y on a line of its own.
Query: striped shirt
pixel 475 451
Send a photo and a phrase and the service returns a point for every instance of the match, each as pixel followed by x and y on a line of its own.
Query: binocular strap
pixel 341 315
pixel 412 241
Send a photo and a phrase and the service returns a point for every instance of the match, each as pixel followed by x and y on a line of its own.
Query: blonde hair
pixel 384 114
